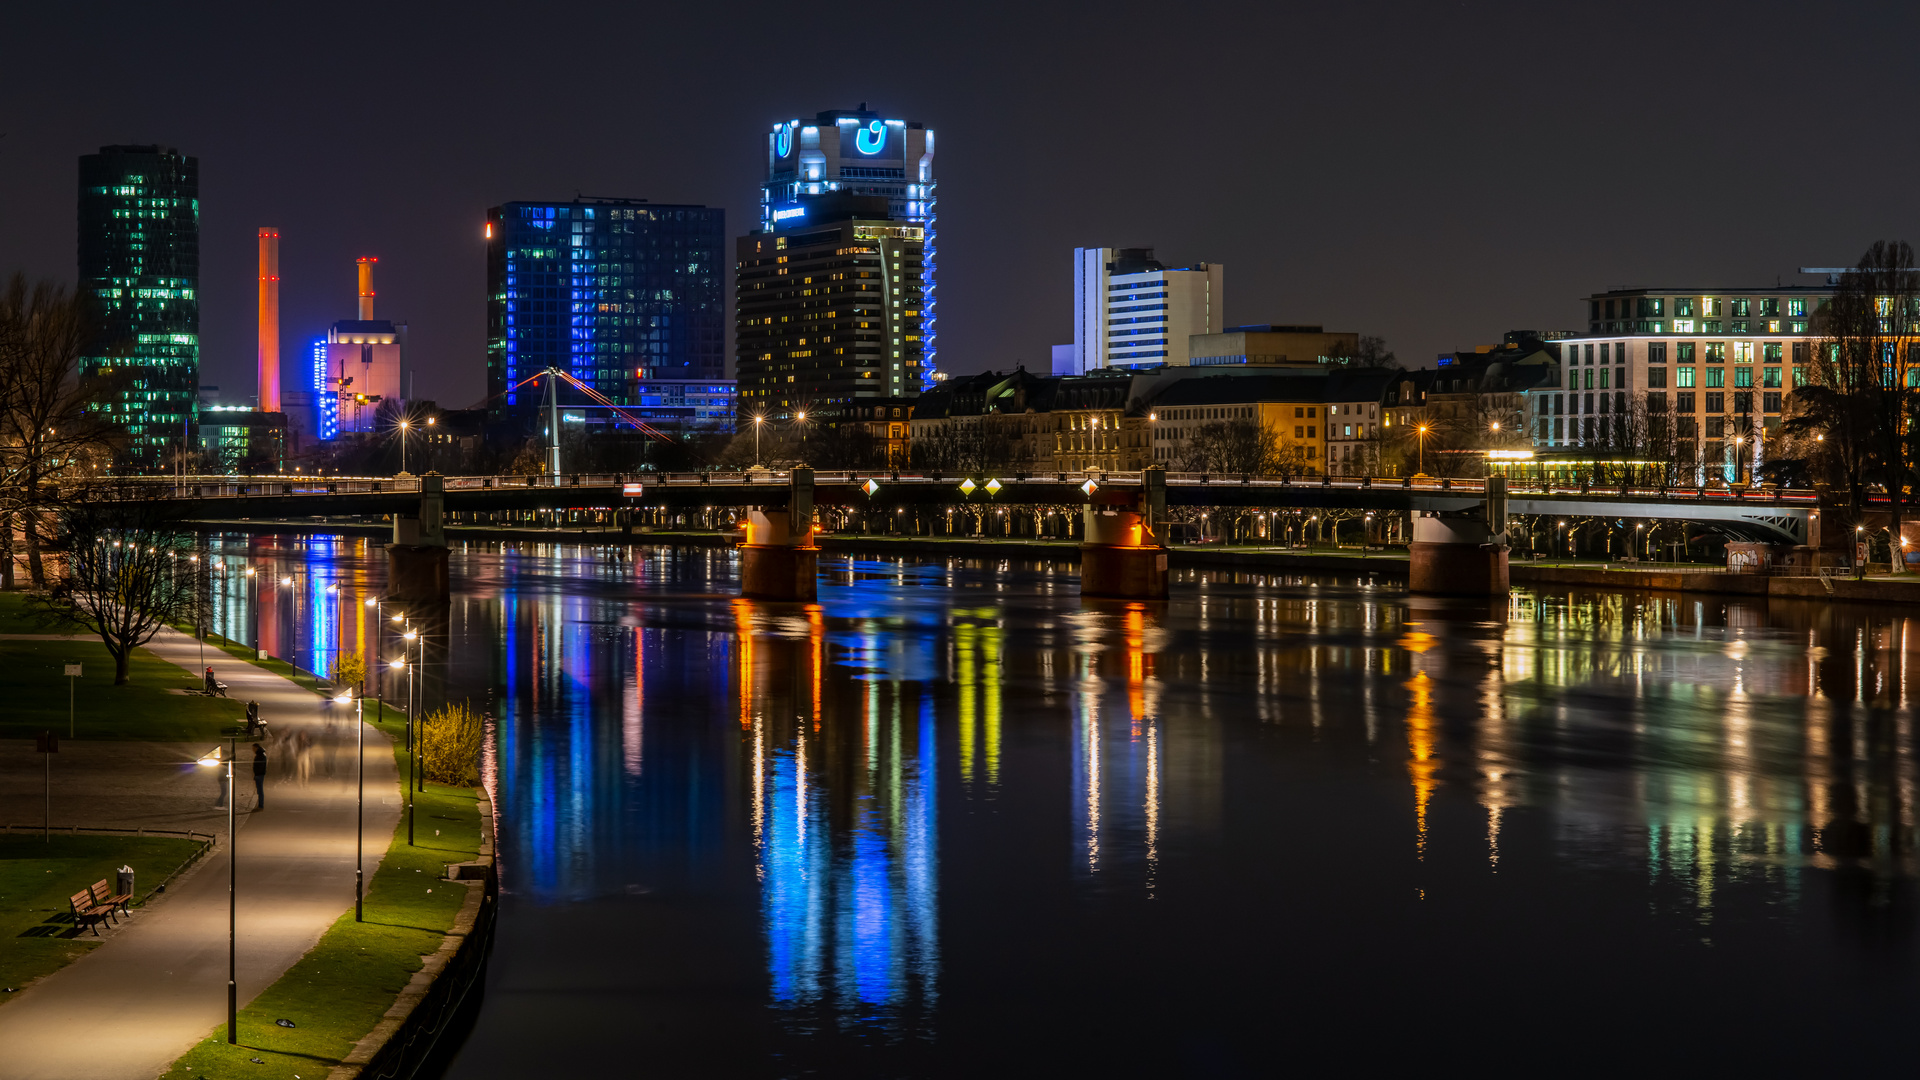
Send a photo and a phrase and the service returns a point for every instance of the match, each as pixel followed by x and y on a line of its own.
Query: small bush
pixel 350 669
pixel 450 741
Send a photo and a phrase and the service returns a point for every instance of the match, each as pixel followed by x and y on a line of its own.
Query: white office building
pixel 1131 311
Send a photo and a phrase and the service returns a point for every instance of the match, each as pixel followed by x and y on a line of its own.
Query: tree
pixel 49 438
pixel 1238 448
pixel 128 571
pixel 1865 362
pixel 1369 352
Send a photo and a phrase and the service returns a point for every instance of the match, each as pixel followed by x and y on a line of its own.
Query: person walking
pixel 221 779
pixel 259 777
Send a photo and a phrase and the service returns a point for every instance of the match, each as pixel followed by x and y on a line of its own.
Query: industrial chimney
pixel 267 371
pixel 366 287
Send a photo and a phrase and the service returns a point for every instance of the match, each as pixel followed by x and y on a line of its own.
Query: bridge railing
pixel 214 487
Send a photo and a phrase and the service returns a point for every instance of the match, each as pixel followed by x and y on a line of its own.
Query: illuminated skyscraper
pixel 140 263
pixel 621 294
pixel 864 154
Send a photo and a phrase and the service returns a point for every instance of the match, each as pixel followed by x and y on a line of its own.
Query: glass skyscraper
pixel 140 264
pixel 619 293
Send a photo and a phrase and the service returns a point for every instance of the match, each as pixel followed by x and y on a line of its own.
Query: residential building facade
pixel 139 266
pixel 1271 345
pixel 618 293
pixel 1699 377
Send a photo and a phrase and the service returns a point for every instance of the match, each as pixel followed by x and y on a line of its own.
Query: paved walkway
pixel 151 992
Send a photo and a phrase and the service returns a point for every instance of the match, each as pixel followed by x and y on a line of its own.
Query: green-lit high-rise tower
pixel 140 264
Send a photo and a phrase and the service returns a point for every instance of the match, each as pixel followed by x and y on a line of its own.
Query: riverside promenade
pixel 157 986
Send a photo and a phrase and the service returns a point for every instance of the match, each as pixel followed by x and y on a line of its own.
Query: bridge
pixel 1458 542
pixel 1763 515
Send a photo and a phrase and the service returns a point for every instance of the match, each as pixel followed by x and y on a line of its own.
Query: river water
pixel 955 821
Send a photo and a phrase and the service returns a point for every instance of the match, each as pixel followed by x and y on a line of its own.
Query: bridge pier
pixel 1462 552
pixel 417 557
pixel 779 560
pixel 1120 559
pixel 777 564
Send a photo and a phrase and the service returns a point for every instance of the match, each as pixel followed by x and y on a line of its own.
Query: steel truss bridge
pixel 1772 515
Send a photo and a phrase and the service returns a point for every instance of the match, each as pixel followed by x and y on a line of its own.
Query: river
pixel 955 821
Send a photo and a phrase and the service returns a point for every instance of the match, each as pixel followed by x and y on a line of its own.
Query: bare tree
pixel 49 438
pixel 1237 447
pixel 128 570
pixel 1860 399
pixel 1369 352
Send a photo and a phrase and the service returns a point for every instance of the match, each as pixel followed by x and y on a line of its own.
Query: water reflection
pixel 952 808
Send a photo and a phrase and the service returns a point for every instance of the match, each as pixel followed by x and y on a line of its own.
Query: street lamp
pixel 757 422
pixel 1421 431
pixel 233 992
pixel 403 447
pixel 360 804
pixel 253 605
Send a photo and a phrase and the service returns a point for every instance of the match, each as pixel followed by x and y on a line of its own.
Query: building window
pixel 1743 376
pixel 1770 376
pixel 1656 352
pixel 1685 352
pixel 1716 402
pixel 1683 376
pixel 1716 352
pixel 1799 352
pixel 1683 403
pixel 1716 376
pixel 1771 401
pixel 1656 378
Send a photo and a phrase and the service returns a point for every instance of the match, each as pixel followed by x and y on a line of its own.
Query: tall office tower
pixel 1131 311
pixel 140 265
pixel 829 309
pixel 360 364
pixel 624 295
pixel 862 153
pixel 267 362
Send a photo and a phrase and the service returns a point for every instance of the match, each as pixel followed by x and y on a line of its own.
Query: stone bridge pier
pixel 1461 552
pixel 417 557
pixel 779 560
pixel 1124 555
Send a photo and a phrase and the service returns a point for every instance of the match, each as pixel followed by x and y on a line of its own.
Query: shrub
pixel 450 742
pixel 350 669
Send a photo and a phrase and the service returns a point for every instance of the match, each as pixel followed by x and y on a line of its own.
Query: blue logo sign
pixel 783 140
pixel 872 138
pixel 788 213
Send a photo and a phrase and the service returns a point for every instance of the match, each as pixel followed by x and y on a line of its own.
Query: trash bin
pixel 123 881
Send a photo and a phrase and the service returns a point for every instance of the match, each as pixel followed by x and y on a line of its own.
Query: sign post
pixel 49 744
pixel 73 675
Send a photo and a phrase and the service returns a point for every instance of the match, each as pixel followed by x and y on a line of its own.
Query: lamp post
pixel 412 636
pixel 379 705
pixel 233 991
pixel 403 447
pixel 253 606
pixel 758 421
pixel 1422 433
pixel 359 806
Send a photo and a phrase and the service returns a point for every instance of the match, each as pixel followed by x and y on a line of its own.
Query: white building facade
pixel 1698 375
pixel 1131 311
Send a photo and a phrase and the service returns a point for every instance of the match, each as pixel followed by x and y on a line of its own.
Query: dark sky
pixel 1434 173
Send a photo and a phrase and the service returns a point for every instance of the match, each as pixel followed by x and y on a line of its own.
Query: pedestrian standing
pixel 222 780
pixel 259 777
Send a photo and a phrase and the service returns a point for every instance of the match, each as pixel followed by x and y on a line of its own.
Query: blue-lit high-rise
pixel 621 294
pixel 863 153
pixel 140 266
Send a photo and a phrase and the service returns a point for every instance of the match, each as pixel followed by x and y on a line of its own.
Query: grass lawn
pixel 339 991
pixel 36 694
pixel 37 876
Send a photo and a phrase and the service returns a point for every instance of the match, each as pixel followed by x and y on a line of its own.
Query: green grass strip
pixel 340 990
pixel 38 874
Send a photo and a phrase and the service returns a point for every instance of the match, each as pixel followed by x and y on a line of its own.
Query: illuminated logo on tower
pixel 872 138
pixel 783 140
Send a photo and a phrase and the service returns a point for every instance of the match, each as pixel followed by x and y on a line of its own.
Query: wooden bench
pixel 112 901
pixel 86 912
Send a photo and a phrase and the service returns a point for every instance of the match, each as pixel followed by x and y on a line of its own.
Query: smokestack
pixel 267 373
pixel 366 287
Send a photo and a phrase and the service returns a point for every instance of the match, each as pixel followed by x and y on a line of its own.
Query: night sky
pixel 1434 173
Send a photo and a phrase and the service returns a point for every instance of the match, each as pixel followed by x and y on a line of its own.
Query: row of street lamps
pixel 406 661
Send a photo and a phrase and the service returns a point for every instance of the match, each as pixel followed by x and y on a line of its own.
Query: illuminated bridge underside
pixel 1771 517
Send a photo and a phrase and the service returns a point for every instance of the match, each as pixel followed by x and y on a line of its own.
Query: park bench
pixel 86 912
pixel 107 898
